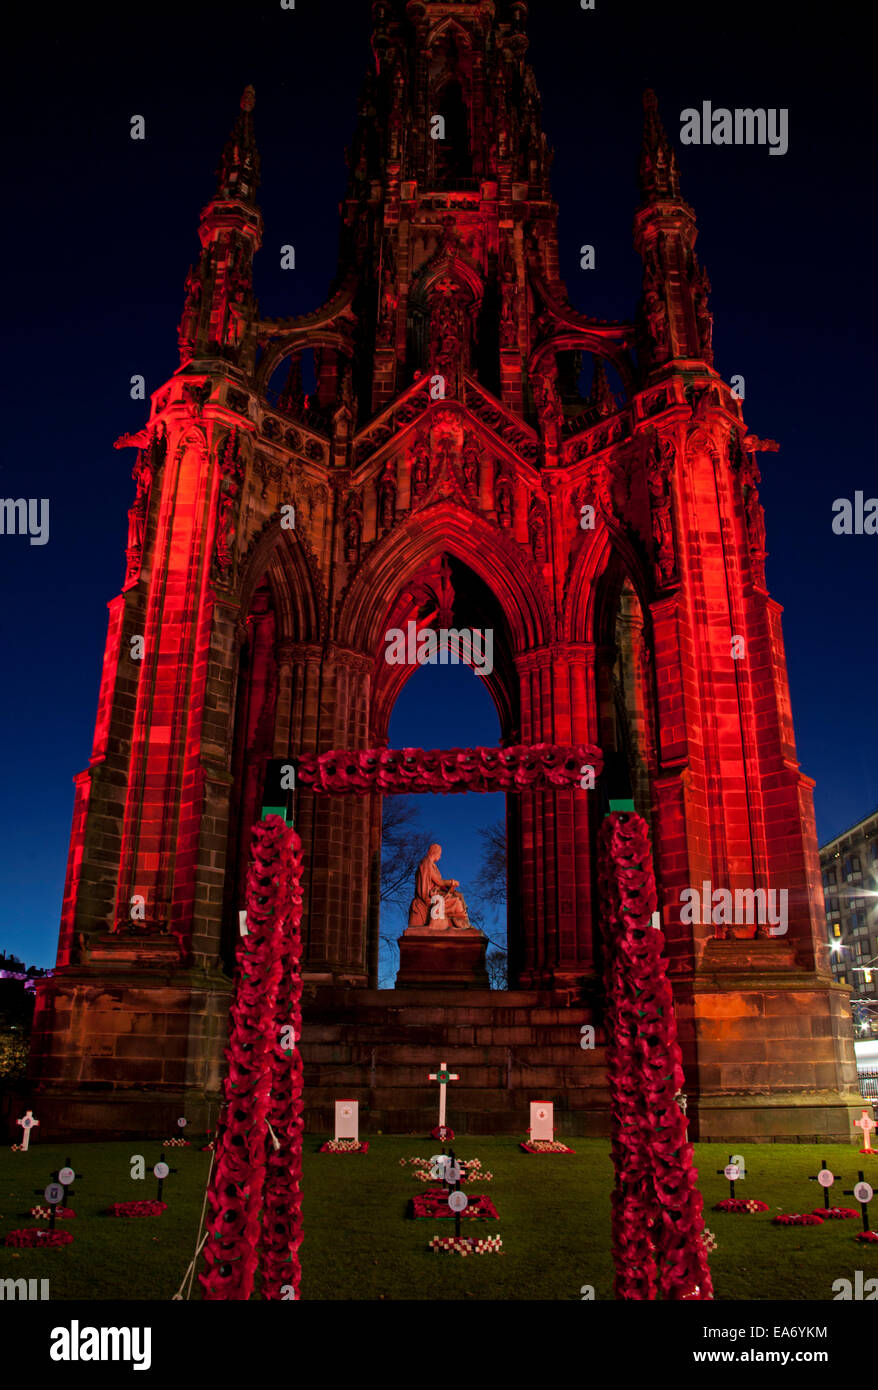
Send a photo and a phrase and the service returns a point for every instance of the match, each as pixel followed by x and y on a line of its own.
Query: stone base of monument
pixel 450 958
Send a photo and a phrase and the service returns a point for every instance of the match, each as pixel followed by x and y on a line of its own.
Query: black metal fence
pixel 869 1084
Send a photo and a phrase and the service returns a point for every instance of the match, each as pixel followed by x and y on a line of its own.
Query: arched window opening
pixel 453 153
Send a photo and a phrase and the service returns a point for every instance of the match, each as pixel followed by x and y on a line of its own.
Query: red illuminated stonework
pixel 476 453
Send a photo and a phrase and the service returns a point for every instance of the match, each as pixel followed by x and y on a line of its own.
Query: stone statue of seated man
pixel 425 910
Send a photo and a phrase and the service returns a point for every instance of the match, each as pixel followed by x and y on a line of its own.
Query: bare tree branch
pixel 492 870
pixel 402 848
pixel 496 963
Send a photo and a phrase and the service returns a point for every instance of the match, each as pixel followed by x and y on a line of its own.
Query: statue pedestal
pixel 448 958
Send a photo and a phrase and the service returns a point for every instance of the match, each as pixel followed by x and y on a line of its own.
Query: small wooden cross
pixel 59 1190
pixel 160 1172
pixel 443 1076
pixel 865 1123
pixel 825 1179
pixel 66 1176
pixel 452 1177
pixel 28 1122
pixel 864 1194
pixel 54 1195
pixel 733 1172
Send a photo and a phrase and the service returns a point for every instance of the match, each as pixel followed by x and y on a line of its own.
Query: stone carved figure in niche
pixel 658 466
pixel 420 469
pixel 238 278
pixel 142 475
pixel 444 452
pixel 470 465
pixel 389 296
pixel 237 289
pixel 755 516
pixel 508 333
pixel 188 329
pixel 703 316
pixel 226 529
pixel 231 474
pixel 503 498
pixel 656 314
pixel 387 320
pixel 353 530
pixel 446 336
pixel 548 406
pixel 387 495
pixel 756 532
pixel 537 526
pixel 507 302
pixel 435 904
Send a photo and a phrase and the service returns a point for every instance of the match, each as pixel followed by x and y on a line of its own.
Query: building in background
pixel 849 865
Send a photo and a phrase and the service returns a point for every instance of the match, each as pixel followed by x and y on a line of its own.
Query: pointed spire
pixel 292 397
pixel 602 398
pixel 659 174
pixel 238 173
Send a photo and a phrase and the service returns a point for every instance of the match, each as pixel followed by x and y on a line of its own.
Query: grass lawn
pixel 360 1244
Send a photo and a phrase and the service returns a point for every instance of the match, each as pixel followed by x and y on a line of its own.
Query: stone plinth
pixel 449 958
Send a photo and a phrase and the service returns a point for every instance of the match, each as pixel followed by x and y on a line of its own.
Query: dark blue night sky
pixel 99 232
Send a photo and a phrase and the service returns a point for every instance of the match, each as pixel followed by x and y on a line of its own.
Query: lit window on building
pixel 851 866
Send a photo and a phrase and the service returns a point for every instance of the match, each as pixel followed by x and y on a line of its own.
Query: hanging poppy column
pixel 263 1085
pixel 280 1270
pixel 657 1208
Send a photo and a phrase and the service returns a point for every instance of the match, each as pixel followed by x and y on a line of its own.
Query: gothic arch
pixel 446 262
pixel 300 341
pixel 444 529
pixel 449 28
pixel 581 340
pixel 605 561
pixel 283 559
pixel 502 684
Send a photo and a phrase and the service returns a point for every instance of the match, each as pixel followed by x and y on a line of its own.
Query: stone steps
pixel 377 1047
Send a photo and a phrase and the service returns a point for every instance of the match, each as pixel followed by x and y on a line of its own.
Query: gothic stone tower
pixel 477 453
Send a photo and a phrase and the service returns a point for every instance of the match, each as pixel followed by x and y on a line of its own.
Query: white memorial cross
pixel 865 1123
pixel 27 1123
pixel 443 1076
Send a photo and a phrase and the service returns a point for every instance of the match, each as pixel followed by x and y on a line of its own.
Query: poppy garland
pixel 657 1209
pixel 280 1270
pixel 520 768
